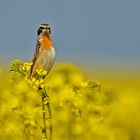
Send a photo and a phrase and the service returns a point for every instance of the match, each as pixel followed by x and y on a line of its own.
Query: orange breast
pixel 46 41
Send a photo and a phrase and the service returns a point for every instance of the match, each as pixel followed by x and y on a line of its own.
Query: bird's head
pixel 44 28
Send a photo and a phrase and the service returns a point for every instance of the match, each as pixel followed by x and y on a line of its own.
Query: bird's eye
pixel 41 28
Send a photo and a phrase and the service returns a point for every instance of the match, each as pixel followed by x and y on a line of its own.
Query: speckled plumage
pixel 44 56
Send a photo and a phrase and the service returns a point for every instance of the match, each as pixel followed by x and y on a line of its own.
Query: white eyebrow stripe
pixel 44 26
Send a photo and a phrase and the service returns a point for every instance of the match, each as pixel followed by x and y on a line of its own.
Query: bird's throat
pixel 46 41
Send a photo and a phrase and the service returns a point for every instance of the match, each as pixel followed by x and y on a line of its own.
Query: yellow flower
pixel 33 79
pixel 37 82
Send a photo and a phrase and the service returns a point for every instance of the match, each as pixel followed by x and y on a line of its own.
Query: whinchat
pixel 44 56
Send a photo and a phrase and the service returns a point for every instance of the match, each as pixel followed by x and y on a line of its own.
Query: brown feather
pixel 44 46
pixel 38 44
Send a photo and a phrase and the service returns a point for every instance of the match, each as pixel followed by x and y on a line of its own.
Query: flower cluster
pixel 81 109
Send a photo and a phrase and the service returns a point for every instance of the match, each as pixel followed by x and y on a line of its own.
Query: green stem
pixel 44 129
pixel 50 120
pixel 47 117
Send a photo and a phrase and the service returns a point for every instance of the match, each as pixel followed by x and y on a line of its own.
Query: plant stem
pixel 50 119
pixel 47 117
pixel 44 131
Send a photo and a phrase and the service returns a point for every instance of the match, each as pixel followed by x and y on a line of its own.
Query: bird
pixel 45 54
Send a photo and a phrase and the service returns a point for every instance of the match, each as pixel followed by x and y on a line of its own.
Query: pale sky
pixel 86 32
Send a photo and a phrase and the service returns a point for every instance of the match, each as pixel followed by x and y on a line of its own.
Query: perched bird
pixel 44 56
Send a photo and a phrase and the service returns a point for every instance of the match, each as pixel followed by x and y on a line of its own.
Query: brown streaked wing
pixel 35 55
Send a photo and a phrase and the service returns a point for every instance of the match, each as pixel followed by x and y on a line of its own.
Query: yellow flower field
pixel 81 109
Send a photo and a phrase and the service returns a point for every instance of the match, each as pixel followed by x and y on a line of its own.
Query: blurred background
pixel 102 36
pixel 94 39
